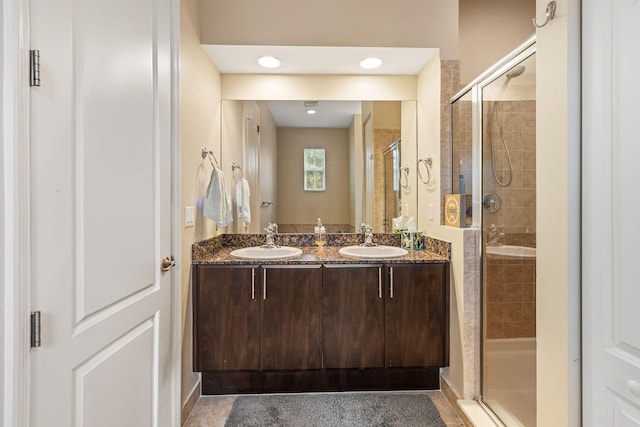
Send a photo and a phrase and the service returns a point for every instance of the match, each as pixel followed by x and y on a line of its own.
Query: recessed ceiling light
pixel 311 107
pixel 269 61
pixel 371 63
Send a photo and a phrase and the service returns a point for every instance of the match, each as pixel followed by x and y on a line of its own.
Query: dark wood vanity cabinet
pixel 353 316
pixel 291 318
pixel 226 318
pixel 253 318
pixel 292 328
pixel 416 316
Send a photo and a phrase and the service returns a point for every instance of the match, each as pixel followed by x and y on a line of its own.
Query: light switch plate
pixel 188 216
pixel 430 211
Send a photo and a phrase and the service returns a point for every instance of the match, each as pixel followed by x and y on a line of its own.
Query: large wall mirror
pixel 268 138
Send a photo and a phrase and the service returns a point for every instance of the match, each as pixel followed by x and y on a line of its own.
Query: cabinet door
pixel 353 317
pixel 226 329
pixel 291 320
pixel 416 328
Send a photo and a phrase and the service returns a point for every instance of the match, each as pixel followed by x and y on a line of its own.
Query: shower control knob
pixel 634 387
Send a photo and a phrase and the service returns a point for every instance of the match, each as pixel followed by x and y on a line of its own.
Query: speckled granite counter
pixel 216 251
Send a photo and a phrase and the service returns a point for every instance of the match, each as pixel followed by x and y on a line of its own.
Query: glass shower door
pixel 509 240
pixel 392 194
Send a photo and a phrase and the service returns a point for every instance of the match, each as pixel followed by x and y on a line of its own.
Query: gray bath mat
pixel 334 410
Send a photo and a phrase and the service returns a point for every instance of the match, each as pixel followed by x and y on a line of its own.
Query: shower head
pixel 516 71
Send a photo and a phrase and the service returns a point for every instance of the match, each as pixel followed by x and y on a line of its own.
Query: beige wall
pixel 231 150
pixel 270 87
pixel 489 30
pixel 296 206
pixel 387 115
pixel 408 157
pixel 558 215
pixel 435 83
pixel 400 23
pixel 200 126
pixel 356 171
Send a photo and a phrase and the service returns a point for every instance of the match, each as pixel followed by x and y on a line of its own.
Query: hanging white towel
pixel 217 205
pixel 242 199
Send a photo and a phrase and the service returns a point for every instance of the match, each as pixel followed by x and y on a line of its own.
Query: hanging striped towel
pixel 217 205
pixel 242 199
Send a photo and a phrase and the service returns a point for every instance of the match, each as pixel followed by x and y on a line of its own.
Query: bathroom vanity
pixel 319 322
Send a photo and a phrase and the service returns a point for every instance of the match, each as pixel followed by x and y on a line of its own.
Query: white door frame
pixel 15 214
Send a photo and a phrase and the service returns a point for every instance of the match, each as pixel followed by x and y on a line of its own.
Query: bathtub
pixel 512 251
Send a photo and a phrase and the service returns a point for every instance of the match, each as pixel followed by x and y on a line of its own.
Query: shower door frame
pixel 518 55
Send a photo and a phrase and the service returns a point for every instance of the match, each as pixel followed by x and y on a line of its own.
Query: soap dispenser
pixel 320 233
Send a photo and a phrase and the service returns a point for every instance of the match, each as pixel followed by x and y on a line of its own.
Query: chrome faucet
pixel 272 230
pixel 368 235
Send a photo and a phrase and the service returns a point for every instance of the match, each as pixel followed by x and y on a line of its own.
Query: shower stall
pixel 493 146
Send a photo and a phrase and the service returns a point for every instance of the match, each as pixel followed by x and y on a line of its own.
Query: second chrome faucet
pixel 367 231
pixel 272 230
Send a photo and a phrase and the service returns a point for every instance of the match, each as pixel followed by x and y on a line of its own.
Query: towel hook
pixel 208 153
pixel 550 13
pixel 235 166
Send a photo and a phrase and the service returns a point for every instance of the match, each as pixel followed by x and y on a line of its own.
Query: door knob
pixel 167 264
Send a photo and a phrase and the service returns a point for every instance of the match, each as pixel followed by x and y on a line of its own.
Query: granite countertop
pixel 216 251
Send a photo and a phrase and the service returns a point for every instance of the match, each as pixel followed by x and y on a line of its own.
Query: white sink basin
pixel 373 251
pixel 260 253
pixel 512 251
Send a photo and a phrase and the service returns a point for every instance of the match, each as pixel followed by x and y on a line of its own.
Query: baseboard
pixel 190 403
pixel 453 399
pixel 255 382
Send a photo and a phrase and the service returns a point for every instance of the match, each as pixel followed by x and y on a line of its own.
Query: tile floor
pixel 212 411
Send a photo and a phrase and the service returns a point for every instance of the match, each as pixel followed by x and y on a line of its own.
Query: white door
pixel 101 213
pixel 611 212
pixel 252 155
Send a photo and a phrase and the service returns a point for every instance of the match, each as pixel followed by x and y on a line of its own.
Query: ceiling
pixel 243 59
pixel 330 114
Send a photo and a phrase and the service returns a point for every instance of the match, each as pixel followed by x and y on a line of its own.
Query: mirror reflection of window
pixel 314 169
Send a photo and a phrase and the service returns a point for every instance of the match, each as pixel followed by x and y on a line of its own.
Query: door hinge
pixel 34 67
pixel 258 127
pixel 35 329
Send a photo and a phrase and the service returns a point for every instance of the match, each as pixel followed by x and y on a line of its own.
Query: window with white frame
pixel 314 169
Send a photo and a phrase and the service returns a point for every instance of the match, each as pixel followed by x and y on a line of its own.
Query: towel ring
pixel 404 172
pixel 428 161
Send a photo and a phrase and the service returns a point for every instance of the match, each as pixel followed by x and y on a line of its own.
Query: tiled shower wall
pixel 517 216
pixel 510 298
pixel 510 283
